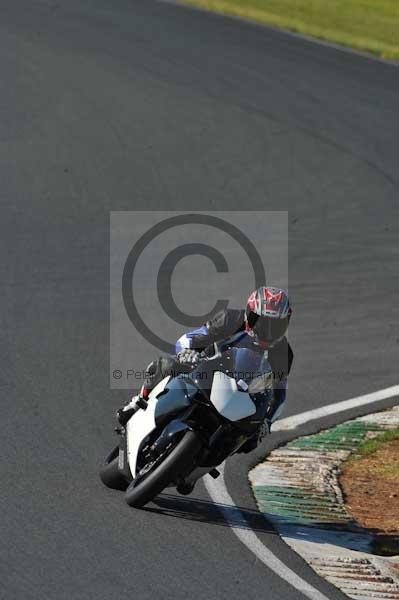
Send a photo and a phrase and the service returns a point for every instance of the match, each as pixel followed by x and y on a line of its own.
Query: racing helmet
pixel 267 315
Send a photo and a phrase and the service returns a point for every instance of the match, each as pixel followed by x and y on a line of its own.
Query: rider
pixel 265 321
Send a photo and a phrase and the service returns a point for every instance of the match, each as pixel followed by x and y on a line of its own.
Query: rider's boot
pixel 249 445
pixel 140 401
pixel 185 488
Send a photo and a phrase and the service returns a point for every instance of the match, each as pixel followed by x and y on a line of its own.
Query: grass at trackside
pixel 371 446
pixel 368 25
pixel 370 480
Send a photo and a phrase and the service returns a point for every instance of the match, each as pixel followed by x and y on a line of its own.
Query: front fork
pixel 123 463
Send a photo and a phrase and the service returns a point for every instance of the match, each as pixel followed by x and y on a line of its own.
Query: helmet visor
pixel 268 329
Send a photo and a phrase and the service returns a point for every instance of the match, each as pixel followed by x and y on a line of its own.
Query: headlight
pixel 261 383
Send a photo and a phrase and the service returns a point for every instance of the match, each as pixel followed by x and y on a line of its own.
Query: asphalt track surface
pixel 144 105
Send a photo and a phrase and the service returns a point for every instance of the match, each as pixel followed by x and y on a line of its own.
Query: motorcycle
pixel 190 424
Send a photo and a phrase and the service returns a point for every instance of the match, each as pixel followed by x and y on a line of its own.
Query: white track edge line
pixel 332 409
pixel 218 492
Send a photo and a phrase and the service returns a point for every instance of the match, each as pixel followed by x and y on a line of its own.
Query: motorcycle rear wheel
pixel 180 458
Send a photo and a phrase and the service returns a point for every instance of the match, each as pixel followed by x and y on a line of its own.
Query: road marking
pixel 218 492
pixel 332 409
pixel 338 552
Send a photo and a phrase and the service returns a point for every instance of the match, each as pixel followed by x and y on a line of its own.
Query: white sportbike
pixel 191 424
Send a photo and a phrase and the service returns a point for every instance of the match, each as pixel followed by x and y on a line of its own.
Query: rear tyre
pixel 110 474
pixel 140 492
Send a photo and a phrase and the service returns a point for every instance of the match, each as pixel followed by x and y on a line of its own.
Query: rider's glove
pixel 124 414
pixel 189 357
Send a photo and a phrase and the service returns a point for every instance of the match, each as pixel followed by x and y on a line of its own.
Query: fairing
pixel 228 400
pixel 141 425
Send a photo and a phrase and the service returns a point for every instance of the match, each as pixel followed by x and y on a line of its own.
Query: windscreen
pixel 239 363
pixel 248 365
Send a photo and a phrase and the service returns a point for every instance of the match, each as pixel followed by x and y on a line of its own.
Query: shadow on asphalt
pixel 204 511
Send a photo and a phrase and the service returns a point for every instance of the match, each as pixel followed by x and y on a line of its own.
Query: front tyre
pixel 110 474
pixel 180 458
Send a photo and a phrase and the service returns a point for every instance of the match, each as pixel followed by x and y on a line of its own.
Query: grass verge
pixel 367 25
pixel 370 484
pixel 371 446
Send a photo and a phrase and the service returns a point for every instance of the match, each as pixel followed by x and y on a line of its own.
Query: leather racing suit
pixel 223 325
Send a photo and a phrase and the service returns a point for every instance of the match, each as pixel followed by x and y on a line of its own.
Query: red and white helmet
pixel 267 315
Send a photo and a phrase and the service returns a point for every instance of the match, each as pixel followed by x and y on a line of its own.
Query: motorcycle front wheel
pixel 145 488
pixel 110 474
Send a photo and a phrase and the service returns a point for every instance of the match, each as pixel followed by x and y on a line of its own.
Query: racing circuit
pixel 135 105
